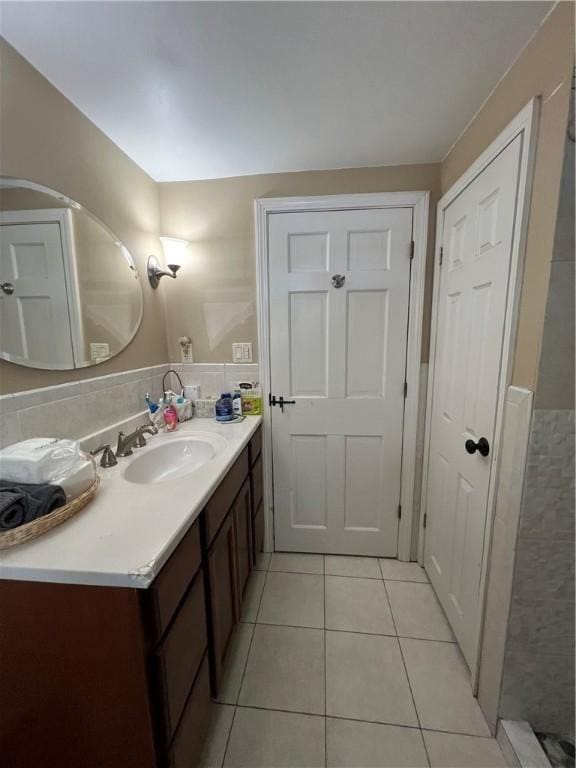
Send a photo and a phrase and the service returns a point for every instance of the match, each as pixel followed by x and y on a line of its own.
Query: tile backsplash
pixel 80 409
pixel 95 409
pixel 215 378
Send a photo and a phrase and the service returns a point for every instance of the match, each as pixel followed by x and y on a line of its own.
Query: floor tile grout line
pixel 351 631
pixel 261 596
pixel 358 720
pixel 407 676
pixel 228 737
pixel 346 576
pixel 244 670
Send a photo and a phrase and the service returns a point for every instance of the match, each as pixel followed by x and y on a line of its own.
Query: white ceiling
pixel 204 90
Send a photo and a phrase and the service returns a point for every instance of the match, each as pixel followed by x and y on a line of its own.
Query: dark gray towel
pixel 13 508
pixel 23 502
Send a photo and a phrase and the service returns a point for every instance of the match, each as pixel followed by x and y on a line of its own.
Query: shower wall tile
pixel 556 370
pixel 540 690
pixel 544 570
pixel 548 510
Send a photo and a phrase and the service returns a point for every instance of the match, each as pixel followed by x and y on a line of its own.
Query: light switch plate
pixel 242 352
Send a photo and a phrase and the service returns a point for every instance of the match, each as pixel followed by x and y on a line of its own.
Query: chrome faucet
pixel 133 440
pixel 149 429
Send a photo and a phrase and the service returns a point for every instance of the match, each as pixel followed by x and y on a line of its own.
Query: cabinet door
pixel 223 596
pixel 186 749
pixel 180 654
pixel 258 531
pixel 243 526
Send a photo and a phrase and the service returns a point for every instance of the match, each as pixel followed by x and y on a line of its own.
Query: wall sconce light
pixel 174 250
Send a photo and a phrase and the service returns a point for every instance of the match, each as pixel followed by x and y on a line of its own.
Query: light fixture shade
pixel 174 250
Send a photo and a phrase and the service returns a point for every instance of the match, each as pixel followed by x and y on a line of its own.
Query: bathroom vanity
pixel 115 667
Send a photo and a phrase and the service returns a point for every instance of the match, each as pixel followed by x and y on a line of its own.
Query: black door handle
pixel 482 446
pixel 273 400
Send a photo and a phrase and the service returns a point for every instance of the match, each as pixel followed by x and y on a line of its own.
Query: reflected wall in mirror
pixel 70 295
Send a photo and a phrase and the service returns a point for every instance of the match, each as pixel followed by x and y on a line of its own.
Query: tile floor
pixel 345 662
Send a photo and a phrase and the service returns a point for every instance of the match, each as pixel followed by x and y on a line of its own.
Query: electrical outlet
pixel 242 352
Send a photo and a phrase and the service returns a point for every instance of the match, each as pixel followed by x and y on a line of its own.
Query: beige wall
pixel 44 138
pixel 218 218
pixel 544 69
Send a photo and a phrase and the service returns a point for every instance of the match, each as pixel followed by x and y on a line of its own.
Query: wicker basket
pixel 42 524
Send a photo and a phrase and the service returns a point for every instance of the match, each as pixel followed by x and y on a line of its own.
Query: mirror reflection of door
pixel 74 298
pixel 34 320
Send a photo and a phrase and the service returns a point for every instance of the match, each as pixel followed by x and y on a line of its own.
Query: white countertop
pixel 127 532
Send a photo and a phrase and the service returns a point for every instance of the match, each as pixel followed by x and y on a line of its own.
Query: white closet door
pixel 340 354
pixel 34 320
pixel 477 246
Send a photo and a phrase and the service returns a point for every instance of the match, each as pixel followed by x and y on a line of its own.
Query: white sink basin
pixel 173 458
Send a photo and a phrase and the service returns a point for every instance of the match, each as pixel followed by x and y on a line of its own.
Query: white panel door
pixel 34 320
pixel 477 244
pixel 340 354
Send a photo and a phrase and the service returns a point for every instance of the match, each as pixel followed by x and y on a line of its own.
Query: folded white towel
pixel 48 460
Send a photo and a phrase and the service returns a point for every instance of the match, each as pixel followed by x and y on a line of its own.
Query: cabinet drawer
pixel 255 445
pixel 257 484
pixel 181 652
pixel 189 739
pixel 169 586
pixel 223 497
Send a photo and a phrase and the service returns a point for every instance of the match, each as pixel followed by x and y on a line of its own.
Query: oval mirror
pixel 70 295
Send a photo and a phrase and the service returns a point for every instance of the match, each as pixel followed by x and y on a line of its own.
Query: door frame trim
pixel 419 201
pixel 525 124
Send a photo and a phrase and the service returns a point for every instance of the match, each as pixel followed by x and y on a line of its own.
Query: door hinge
pixel 412 249
pixel 425 520
pixel 405 389
pixel 399 511
pixel 441 256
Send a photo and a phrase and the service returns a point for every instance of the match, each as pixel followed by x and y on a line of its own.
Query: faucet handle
pixel 108 459
pixel 124 447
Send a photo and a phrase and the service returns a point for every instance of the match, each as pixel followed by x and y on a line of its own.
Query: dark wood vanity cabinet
pixel 116 677
pixel 228 542
pixel 257 491
pixel 94 676
pixel 243 531
pixel 222 596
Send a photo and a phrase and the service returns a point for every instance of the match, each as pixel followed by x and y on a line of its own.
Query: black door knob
pixel 482 446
